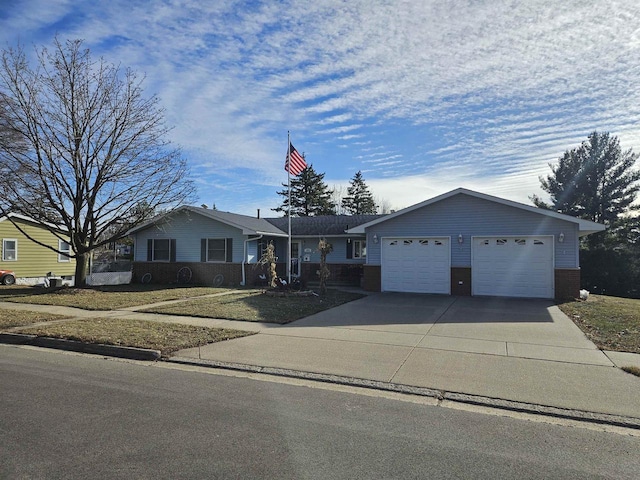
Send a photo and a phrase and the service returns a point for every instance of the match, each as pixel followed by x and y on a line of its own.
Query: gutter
pixel 244 258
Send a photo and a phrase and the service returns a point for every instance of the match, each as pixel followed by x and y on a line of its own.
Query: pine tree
pixel 310 196
pixel 595 181
pixel 359 199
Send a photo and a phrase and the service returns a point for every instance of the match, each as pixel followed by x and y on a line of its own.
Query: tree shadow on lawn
pixel 31 290
pixel 259 307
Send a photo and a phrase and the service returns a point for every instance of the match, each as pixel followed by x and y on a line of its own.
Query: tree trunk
pixel 81 270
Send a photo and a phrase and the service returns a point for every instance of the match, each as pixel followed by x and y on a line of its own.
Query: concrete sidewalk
pixel 512 349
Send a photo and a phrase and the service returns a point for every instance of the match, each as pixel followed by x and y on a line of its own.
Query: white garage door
pixel 513 266
pixel 418 265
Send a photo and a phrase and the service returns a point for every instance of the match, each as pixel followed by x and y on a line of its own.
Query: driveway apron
pixel 516 349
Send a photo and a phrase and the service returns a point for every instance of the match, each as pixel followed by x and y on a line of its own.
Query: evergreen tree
pixel 310 196
pixel 359 199
pixel 595 181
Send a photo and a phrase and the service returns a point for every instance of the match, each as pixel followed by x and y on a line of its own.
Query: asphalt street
pixel 67 415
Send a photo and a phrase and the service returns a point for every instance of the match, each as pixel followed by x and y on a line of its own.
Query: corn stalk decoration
pixel 324 248
pixel 269 258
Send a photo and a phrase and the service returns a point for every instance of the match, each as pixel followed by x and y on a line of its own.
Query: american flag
pixel 296 163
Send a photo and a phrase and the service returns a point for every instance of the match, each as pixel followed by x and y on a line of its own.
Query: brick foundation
pixel 203 273
pixel 340 274
pixel 461 274
pixel 372 280
pixel 567 283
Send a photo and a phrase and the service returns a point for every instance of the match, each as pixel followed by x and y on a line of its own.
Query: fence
pixel 109 278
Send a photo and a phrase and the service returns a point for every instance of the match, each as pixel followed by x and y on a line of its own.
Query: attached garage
pixel 416 265
pixel 513 266
pixel 468 243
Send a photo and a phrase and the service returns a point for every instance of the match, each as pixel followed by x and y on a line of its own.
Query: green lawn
pixel 103 298
pixel 166 337
pixel 255 306
pixel 611 323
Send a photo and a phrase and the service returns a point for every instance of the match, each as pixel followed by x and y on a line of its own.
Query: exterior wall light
pixel 375 238
pixel 460 238
pixel 561 237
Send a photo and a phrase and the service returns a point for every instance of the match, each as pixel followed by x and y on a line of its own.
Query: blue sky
pixel 421 96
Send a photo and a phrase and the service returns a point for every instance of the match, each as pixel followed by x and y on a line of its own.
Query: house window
pixel 359 249
pixel 216 249
pixel 65 249
pixel 161 250
pixel 9 250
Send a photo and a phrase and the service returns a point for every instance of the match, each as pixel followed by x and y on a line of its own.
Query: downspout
pixel 244 258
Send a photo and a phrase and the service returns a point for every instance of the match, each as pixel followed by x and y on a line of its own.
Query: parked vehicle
pixel 7 277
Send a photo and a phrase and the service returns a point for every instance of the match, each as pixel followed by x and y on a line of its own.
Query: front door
pixel 295 259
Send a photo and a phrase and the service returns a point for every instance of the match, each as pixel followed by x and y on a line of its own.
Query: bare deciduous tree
pixel 95 148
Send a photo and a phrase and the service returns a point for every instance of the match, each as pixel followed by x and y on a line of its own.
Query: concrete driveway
pixel 515 349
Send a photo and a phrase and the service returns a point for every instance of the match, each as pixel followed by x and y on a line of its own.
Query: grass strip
pixel 18 318
pixel 611 323
pixel 255 306
pixel 105 297
pixel 166 337
pixel 632 370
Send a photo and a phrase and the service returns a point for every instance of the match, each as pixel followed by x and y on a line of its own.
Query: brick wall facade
pixel 458 275
pixel 567 283
pixel 372 281
pixel 203 273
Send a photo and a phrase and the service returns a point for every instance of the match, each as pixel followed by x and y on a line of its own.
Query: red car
pixel 7 277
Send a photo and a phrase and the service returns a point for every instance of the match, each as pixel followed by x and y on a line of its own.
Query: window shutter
pixel 172 252
pixel 203 250
pixel 149 250
pixel 349 249
pixel 229 250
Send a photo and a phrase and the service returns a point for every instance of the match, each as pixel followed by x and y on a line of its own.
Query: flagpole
pixel 289 210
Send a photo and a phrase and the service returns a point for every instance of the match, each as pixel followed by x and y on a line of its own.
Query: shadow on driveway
pixel 420 309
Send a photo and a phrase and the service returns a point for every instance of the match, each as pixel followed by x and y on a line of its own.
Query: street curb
pixel 441 395
pixel 130 353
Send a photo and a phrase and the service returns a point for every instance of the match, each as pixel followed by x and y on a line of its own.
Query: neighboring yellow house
pixel 31 262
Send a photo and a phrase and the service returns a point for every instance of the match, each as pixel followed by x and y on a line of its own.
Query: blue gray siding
pixel 470 216
pixel 337 256
pixel 188 229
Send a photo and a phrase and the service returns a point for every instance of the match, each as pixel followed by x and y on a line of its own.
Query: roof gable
pixel 585 227
pixel 248 225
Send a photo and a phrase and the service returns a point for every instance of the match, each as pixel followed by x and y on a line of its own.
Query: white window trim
pixel 61 257
pixel 153 249
pixel 225 251
pixel 362 243
pixel 15 250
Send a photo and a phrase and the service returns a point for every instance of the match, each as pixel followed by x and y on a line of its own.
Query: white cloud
pixel 485 93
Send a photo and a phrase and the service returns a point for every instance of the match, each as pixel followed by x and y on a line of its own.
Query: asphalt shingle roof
pixel 321 225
